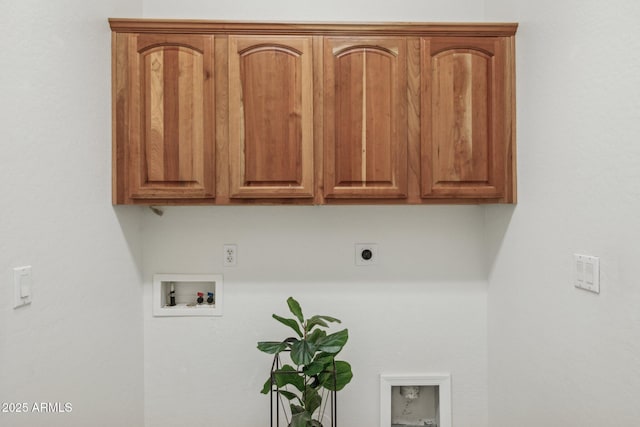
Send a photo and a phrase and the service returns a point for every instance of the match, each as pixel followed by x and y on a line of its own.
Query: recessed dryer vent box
pixel 186 288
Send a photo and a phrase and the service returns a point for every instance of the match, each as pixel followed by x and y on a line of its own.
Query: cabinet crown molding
pixel 192 26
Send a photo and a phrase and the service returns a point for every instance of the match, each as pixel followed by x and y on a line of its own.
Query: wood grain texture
pixel 414 94
pixel 164 123
pixel 222 118
pixel 216 112
pixel 463 110
pixel 271 116
pixel 318 118
pixel 365 118
pixel 423 29
pixel 120 118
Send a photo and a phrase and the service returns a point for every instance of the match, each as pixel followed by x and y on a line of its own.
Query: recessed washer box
pixel 187 287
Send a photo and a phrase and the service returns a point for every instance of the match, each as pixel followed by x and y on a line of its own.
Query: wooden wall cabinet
pixel 212 112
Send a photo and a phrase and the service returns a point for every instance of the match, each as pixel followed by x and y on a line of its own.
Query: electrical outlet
pixel 230 254
pixel 366 254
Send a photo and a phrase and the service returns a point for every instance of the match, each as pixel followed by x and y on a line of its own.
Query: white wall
pixel 80 341
pixel 557 355
pixel 560 356
pixel 326 10
pixel 421 310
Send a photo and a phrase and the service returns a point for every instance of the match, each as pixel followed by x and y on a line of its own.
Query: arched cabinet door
pixel 465 133
pixel 271 117
pixel 365 122
pixel 169 128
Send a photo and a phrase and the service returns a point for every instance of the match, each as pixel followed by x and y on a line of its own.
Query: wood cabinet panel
pixel 271 116
pixel 464 114
pixel 215 112
pixel 168 137
pixel 365 118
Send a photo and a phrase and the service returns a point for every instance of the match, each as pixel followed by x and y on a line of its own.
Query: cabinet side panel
pixel 120 105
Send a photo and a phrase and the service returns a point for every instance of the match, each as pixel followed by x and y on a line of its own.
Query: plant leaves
pixel 320 363
pixel 333 343
pixel 289 395
pixel 325 358
pixel 313 322
pixel 314 368
pixel 314 336
pixel 300 419
pixel 319 321
pixel 272 347
pixel 343 376
pixel 302 352
pixel 266 387
pixel 294 307
pixel 312 400
pixel 288 375
pixel 296 409
pixel 290 323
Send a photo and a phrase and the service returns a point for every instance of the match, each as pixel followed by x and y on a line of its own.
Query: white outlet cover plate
pixel 230 255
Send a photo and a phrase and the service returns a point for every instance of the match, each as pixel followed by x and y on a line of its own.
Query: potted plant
pixel 314 371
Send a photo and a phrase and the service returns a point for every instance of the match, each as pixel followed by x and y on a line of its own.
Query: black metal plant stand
pixel 278 405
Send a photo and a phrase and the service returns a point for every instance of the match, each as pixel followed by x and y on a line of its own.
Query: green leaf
pixel 312 400
pixel 319 321
pixel 314 368
pixel 294 307
pixel 302 352
pixel 267 386
pixel 290 396
pixel 333 343
pixel 300 419
pixel 315 321
pixel 320 363
pixel 272 347
pixel 324 358
pixel 343 376
pixel 296 409
pixel 290 323
pixel 316 335
pixel 288 375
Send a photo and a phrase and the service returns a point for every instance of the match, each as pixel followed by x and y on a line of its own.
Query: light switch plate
pixel 22 282
pixel 587 272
